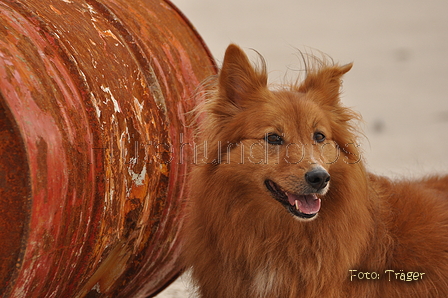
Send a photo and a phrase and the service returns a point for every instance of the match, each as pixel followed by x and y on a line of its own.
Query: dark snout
pixel 317 178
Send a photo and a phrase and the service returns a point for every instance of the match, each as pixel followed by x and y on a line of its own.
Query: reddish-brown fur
pixel 241 242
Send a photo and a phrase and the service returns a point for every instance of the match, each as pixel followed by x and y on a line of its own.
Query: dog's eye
pixel 274 139
pixel 319 137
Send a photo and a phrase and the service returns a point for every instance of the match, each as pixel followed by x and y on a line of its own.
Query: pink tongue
pixel 308 204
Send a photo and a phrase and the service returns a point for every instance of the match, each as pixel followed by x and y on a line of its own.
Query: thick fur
pixel 241 242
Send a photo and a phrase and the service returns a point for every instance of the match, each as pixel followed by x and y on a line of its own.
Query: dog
pixel 281 204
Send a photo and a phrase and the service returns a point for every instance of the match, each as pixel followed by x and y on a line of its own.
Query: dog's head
pixel 284 145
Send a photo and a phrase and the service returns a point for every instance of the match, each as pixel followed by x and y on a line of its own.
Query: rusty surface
pixel 93 138
pixel 14 194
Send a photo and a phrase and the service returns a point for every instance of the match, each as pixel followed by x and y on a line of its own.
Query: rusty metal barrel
pixel 94 102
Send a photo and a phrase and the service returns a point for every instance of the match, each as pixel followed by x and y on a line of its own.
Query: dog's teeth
pixel 297 204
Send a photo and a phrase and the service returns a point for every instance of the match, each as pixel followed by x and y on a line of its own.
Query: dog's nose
pixel 317 178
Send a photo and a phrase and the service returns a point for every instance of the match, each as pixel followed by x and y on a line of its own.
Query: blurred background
pixel 399 82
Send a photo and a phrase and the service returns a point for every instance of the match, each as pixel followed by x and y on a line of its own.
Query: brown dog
pixel 282 205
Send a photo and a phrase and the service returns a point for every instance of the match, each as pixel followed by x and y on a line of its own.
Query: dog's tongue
pixel 308 204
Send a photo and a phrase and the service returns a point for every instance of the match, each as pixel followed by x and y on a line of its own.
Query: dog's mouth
pixel 304 206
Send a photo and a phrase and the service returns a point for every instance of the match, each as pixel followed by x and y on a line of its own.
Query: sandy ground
pixel 399 82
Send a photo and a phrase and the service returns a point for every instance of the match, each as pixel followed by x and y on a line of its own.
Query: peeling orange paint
pixel 89 204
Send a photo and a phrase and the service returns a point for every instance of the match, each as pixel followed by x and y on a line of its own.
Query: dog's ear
pixel 238 79
pixel 323 87
pixel 326 82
